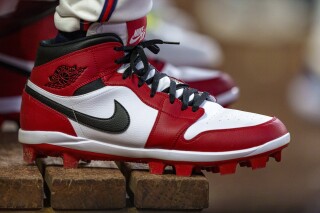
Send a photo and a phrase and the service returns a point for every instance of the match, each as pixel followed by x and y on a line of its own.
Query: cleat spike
pixel 244 164
pixel 258 162
pixel 197 170
pixel 277 156
pixel 156 168
pixel 183 169
pixel 215 169
pixel 69 161
pixel 29 154
pixel 228 168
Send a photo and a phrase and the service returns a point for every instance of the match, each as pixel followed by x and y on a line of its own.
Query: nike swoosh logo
pixel 117 123
pixel 135 39
pixel 138 35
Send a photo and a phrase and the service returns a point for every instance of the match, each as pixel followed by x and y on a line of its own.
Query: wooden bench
pixel 98 185
pixel 21 186
pixel 167 191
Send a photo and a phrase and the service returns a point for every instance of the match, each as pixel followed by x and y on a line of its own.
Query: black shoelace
pixel 136 54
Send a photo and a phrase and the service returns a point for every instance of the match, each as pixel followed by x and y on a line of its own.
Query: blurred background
pixel 271 49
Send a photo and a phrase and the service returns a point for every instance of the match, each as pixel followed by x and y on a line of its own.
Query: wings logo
pixel 64 76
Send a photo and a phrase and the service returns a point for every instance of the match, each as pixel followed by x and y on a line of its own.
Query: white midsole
pixel 228 97
pixel 83 144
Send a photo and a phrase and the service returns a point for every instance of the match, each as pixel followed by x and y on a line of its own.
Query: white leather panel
pixel 100 103
pixel 216 117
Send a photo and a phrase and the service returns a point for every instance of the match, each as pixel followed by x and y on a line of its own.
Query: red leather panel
pixel 97 60
pixel 233 139
pixel 35 116
pixel 215 86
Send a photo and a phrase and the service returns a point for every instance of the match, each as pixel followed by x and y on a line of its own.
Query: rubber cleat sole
pixel 259 162
pixel 70 161
pixel 72 157
pixel 277 156
pixel 29 154
pixel 228 168
pixel 183 169
pixel 156 168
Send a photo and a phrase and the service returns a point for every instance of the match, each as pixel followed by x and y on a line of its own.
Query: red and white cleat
pixel 98 99
pixel 17 54
pixel 217 83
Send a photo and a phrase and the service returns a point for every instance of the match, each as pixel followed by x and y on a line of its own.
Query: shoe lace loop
pixel 135 55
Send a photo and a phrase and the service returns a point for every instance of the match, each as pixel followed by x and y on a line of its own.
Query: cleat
pixel 245 164
pixel 101 96
pixel 156 168
pixel 277 156
pixel 69 161
pixel 228 168
pixel 195 50
pixel 16 61
pixel 217 83
pixel 258 162
pixel 183 170
pixel 29 154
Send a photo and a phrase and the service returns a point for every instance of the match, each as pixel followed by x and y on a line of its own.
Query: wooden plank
pixel 98 185
pixel 21 186
pixel 166 191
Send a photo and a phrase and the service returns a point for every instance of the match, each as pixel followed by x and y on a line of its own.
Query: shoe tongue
pixel 131 32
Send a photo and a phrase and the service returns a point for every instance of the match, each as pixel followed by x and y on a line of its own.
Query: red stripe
pixel 108 10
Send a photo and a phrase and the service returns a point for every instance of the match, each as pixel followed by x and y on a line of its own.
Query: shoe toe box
pixel 230 130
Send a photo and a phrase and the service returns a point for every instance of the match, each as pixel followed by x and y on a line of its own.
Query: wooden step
pixel 21 186
pixel 166 191
pixel 98 185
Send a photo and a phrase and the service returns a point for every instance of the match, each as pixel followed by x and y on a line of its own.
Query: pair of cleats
pixel 97 98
